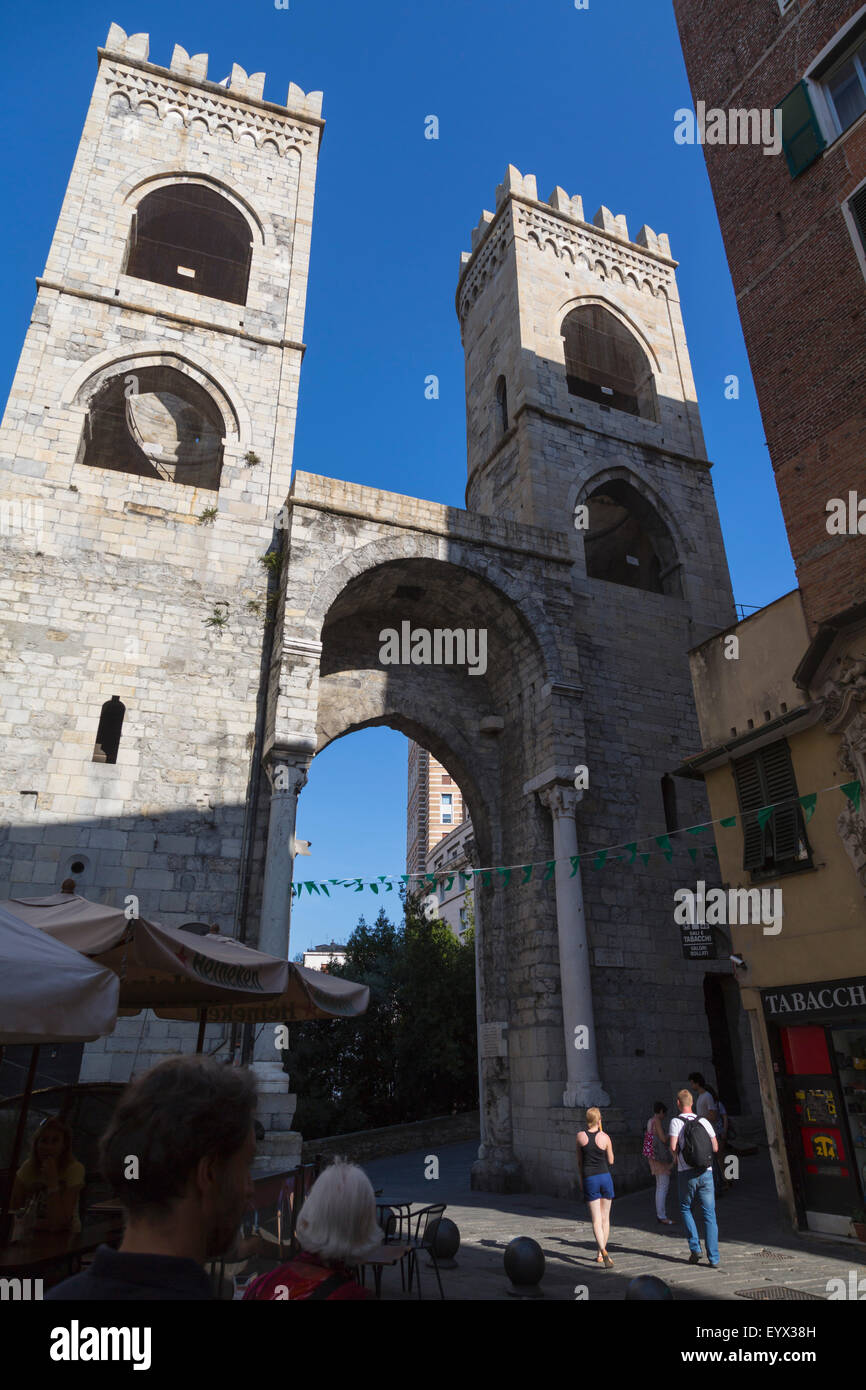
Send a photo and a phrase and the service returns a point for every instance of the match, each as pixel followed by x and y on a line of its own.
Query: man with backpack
pixel 693 1142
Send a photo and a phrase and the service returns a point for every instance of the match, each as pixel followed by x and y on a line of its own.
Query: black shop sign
pixel 823 1001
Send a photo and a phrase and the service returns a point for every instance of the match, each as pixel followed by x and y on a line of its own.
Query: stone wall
pixel 364 1145
pixel 121 584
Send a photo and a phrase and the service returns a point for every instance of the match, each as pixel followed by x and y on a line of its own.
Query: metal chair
pixel 420 1238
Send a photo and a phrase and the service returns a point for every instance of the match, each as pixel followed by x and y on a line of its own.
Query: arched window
pixel 191 237
pixel 501 406
pixel 626 541
pixel 108 732
pixel 604 362
pixel 157 423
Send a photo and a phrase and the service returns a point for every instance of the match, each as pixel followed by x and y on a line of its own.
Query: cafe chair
pixel 421 1237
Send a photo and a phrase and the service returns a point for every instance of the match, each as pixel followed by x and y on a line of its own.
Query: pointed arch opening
pixel 604 362
pixel 627 542
pixel 157 423
pixel 189 236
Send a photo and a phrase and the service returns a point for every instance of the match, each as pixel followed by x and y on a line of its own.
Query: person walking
pixel 721 1126
pixel 693 1143
pixel 594 1161
pixel 658 1155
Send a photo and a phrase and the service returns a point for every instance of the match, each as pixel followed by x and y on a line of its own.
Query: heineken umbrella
pixel 184 976
pixel 159 967
pixel 308 994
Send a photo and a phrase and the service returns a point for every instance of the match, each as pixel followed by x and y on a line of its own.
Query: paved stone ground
pixel 757 1248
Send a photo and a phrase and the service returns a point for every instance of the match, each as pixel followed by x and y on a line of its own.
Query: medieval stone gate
pixel 589 552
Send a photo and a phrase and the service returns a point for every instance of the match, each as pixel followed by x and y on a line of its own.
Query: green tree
pixel 413 1053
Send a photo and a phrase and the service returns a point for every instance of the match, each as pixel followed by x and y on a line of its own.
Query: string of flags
pixel 516 875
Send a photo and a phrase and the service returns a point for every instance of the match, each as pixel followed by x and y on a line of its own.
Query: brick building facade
pixel 794 228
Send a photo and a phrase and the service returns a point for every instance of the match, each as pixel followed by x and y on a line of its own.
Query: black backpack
pixel 696 1145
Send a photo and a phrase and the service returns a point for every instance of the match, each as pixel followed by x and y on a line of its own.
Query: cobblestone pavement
pixel 758 1248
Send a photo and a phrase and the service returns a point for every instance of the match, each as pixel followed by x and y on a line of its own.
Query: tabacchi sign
pixel 821 997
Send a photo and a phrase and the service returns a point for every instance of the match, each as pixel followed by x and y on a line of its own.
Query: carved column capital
pixel 287 773
pixel 560 799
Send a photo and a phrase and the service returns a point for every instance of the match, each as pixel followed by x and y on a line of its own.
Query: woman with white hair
pixel 336 1230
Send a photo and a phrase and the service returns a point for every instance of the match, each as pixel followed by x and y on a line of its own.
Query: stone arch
pixel 188 235
pixel 86 380
pixel 606 360
pixel 325 588
pixel 633 518
pixel 628 320
pixel 134 188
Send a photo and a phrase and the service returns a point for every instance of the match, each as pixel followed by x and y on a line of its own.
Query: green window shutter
pixel 781 786
pixel 802 140
pixel 750 794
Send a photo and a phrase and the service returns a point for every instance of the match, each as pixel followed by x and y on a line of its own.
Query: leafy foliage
pixel 413 1054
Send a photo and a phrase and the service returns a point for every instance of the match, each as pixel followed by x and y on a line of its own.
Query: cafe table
pixel 46 1248
pixel 386 1255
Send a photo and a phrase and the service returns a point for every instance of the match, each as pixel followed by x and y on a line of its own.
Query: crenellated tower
pixel 145 450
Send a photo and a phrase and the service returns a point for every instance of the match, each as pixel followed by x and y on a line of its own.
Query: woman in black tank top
pixel 595 1158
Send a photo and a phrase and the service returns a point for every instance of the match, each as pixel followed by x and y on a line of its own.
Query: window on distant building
pixel 855 215
pixel 845 86
pixel 766 778
pixel 446 808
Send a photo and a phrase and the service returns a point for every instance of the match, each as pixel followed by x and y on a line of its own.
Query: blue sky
pixel 584 99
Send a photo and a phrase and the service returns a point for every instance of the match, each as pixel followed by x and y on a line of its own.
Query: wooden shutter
pixel 751 797
pixel 802 140
pixel 781 786
pixel 857 204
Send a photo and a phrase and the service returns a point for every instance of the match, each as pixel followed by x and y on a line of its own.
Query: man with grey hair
pixel 177 1154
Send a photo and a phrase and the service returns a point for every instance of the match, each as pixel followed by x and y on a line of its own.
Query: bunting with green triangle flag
pixel 764 815
pixel 575 865
pixel 808 805
pixel 506 876
pixel 550 868
pixel 664 844
pixel 598 862
pixel 728 821
pixel 527 872
pixel 852 791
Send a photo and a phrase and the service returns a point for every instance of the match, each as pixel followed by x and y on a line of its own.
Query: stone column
pixel 583 1083
pixel 287 773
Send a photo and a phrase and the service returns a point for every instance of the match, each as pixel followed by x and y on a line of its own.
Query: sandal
pixel 608 1262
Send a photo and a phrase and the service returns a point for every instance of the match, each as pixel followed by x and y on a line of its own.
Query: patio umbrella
pixel 183 976
pixel 49 993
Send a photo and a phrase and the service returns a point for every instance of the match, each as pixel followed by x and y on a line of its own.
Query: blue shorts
pixel 597 1185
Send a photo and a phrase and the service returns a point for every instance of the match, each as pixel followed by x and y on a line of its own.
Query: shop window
pixel 604 362
pixel 191 237
pixel 766 778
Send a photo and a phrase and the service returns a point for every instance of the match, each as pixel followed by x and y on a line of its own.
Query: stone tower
pixel 145 450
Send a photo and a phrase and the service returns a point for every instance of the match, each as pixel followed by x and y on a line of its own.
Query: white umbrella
pixel 48 993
